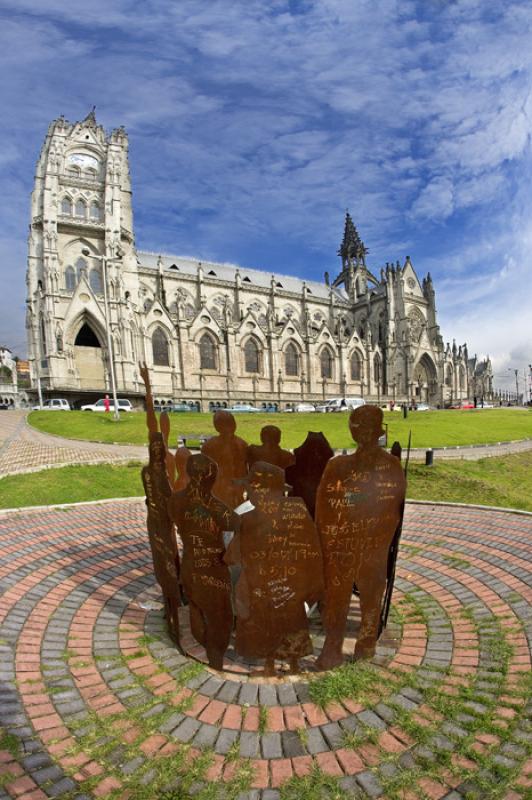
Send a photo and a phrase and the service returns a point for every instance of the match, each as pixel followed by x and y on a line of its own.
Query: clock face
pixel 83 161
pixel 411 283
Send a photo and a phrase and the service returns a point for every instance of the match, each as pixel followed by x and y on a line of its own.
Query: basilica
pixel 211 333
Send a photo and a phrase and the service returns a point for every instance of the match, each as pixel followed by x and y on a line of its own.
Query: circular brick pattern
pixel 98 697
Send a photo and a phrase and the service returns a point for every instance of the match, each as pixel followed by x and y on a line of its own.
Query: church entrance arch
pixel 425 380
pixel 89 357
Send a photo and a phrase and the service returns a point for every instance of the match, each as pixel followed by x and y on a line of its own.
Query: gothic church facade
pixel 211 333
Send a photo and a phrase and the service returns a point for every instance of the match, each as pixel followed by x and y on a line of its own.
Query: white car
pixel 241 408
pixel 341 404
pixel 123 405
pixel 422 407
pixel 304 408
pixel 57 404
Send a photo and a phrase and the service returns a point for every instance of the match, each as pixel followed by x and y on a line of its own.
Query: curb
pixel 141 497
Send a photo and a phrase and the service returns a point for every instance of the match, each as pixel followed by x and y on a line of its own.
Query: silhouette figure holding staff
pixel 358 509
pixel 161 531
pixel 270 450
pixel 230 453
pixel 279 552
pixel 310 459
pixel 201 520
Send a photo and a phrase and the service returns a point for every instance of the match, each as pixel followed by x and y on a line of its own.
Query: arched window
pixel 96 213
pixel 377 369
pixel 291 360
pixel 207 348
pixel 66 206
pixel 251 356
pixel 81 266
pixel 326 363
pixel 356 367
pixel 70 279
pixel 95 281
pixel 81 208
pixel 159 344
pixel 449 376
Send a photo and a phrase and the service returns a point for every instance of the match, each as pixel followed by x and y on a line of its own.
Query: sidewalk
pixel 24 449
pixel 97 699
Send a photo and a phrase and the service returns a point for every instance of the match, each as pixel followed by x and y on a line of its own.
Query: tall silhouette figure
pixel 279 552
pixel 358 509
pixel 201 520
pixel 230 454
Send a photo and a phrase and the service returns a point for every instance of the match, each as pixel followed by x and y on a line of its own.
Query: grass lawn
pixel 505 482
pixel 429 428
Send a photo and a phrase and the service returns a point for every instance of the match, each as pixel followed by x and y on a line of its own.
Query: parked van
pixel 342 404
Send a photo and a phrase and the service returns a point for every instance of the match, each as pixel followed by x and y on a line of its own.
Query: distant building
pixel 11 393
pixel 211 333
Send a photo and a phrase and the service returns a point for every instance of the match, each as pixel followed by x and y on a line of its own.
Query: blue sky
pixel 254 125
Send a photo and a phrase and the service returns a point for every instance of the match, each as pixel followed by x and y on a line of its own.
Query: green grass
pixel 504 482
pixel 429 429
pixel 70 485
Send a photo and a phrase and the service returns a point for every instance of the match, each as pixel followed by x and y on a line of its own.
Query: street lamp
pixel 103 259
pixel 516 371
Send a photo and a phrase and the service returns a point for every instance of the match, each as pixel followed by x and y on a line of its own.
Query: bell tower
pixel 81 213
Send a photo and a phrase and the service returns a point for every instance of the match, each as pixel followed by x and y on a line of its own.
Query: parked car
pixel 99 405
pixel 304 408
pixel 180 408
pixel 56 404
pixel 485 405
pixel 422 407
pixel 241 408
pixel 341 404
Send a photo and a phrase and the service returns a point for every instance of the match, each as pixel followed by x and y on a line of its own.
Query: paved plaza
pixel 99 703
pixel 24 449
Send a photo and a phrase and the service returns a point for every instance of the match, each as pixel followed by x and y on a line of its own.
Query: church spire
pixel 90 119
pixel 352 247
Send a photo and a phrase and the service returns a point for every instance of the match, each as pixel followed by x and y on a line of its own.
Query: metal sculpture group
pixel 253 558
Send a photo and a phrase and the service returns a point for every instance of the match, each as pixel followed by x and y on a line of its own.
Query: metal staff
pixel 392 554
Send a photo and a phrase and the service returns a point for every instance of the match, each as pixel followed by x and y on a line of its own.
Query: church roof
pixel 227 272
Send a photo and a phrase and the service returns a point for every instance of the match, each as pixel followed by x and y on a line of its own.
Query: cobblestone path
pixel 97 702
pixel 24 449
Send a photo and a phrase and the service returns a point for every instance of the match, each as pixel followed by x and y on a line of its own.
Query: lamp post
pixel 103 260
pixel 516 372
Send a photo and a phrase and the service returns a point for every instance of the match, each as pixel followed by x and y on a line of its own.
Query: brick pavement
pixel 96 698
pixel 24 449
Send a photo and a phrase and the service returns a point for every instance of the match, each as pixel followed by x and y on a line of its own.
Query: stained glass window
pixel 356 367
pixel 159 344
pixel 291 360
pixel 251 356
pixel 207 349
pixel 326 363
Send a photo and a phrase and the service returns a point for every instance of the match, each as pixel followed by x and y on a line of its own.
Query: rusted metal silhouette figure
pixel 164 424
pixel 161 531
pixel 270 449
pixel 279 552
pixel 201 519
pixel 310 459
pixel 230 454
pixel 358 510
pixel 182 454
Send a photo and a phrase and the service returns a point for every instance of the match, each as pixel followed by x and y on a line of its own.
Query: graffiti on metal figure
pixel 358 509
pixel 267 534
pixel 201 520
pixel 279 553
